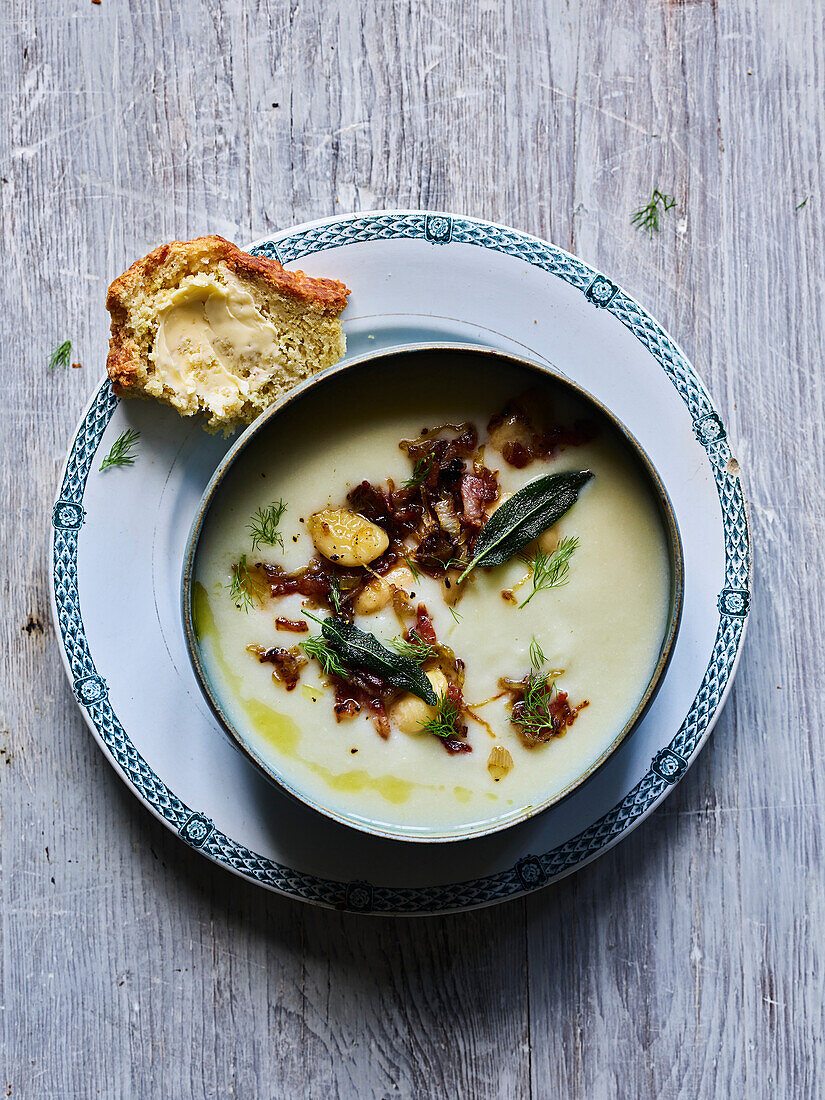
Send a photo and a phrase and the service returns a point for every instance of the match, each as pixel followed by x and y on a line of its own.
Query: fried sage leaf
pixel 535 507
pixel 361 650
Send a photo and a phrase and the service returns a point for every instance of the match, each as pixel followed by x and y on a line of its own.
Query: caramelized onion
pixel 288 663
pixel 520 435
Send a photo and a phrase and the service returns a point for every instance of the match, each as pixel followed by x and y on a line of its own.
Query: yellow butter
pixel 213 340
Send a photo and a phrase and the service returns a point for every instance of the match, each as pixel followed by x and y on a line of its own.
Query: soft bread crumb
pixel 294 318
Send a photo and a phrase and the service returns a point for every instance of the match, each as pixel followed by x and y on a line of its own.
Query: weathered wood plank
pixel 700 924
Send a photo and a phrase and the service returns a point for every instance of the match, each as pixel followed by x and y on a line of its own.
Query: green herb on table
pixel 526 515
pixel 419 472
pixel 121 452
pixel 799 207
pixel 647 216
pixel 445 722
pixel 361 650
pixel 61 355
pixel 416 649
pixel 246 590
pixel 552 570
pixel 264 526
pixel 327 658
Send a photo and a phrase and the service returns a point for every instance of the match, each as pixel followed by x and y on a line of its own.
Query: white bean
pixel 346 537
pixel 373 597
pixel 378 593
pixel 410 713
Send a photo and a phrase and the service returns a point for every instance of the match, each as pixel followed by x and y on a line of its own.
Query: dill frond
pixel 413 568
pixel 61 355
pixel 335 597
pixel 320 649
pixel 647 216
pixel 419 472
pixel 552 570
pixel 416 649
pixel 533 713
pixel 445 722
pixel 263 526
pixel 121 452
pixel 246 590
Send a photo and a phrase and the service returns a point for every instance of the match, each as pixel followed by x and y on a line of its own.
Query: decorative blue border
pixel 667 766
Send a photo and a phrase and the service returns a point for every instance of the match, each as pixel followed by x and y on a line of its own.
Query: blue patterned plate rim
pixel 530 872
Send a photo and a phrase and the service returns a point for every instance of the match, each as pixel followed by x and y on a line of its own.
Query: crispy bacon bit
pixel 516 454
pixel 454 745
pixel 561 714
pixel 458 742
pixel 424 625
pixel 441 449
pixel 520 439
pixel 398 511
pixel 432 522
pixel 288 663
pixel 449 473
pixel 434 553
pixel 346 705
pixel 315 582
pixel 443 509
pixel 294 625
pixel 362 689
pixel 477 492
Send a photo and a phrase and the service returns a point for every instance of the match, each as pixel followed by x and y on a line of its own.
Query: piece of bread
pixel 204 327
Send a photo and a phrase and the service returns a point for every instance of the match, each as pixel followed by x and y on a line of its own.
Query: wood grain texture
pixel 688 962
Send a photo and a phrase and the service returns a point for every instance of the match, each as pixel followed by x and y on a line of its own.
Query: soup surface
pixel 579 653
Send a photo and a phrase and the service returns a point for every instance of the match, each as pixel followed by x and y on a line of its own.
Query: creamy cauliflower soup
pixel 382 651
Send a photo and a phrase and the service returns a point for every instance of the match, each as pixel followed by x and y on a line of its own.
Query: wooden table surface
pixel 687 962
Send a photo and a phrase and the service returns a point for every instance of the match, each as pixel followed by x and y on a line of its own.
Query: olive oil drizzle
pixel 280 731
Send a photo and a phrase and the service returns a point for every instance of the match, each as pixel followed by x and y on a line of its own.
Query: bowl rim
pixel 676 595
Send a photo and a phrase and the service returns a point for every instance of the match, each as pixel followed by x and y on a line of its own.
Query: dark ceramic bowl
pixel 396 361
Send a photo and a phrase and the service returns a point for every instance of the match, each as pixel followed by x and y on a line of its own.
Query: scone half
pixel 206 328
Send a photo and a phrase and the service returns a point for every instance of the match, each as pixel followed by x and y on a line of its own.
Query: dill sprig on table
pixel 551 570
pixel 264 526
pixel 246 590
pixel 319 648
pixel 121 452
pixel 647 216
pixel 445 722
pixel 61 355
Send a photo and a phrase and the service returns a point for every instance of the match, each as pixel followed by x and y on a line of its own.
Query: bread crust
pixel 165 265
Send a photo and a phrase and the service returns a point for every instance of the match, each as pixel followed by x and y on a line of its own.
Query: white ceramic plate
pixel 119 537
